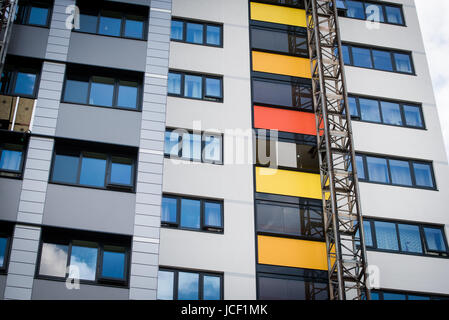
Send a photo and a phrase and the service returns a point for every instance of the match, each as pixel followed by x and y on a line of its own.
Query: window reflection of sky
pixel 188 286
pixel 85 259
pixel 53 260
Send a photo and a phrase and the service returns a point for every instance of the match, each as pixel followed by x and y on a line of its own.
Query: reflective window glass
pixel 165 285
pixel 352 103
pixel 212 148
pixel 355 9
pixel 25 83
pixel 171 143
pixel 400 172
pixel 10 160
pixel 360 167
pixel 212 214
pixel 169 210
pixel 188 285
pixel 423 175
pixel 127 94
pixel 193 86
pixel 213 87
pixel 377 169
pixel 393 296
pixel 65 168
pixel 102 91
pixel 391 113
pixel 394 15
pixel 374 12
pixel 174 83
pixel 191 146
pixel 434 239
pixel 190 213
pixel 3 244
pixel 38 16
pixel 369 110
pixel 346 55
pixel 53 260
pixel 413 116
pixel 194 32
pixel 88 23
pixel 386 235
pixel 362 57
pixel 110 24
pixel 382 60
pixel 177 30
pixel 114 261
pixel 93 170
pixel 122 171
pixel 410 238
pixel 213 35
pixel 83 260
pixel 134 27
pixel 76 90
pixel 403 63
pixel 211 288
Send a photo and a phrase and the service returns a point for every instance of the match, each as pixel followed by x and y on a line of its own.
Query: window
pixel 104 88
pixel 111 19
pixel 192 213
pixel 282 91
pixel 289 216
pixel 12 155
pixel 396 295
pixel 195 86
pixel 378 59
pixel 20 77
pixel 288 3
pixel 189 285
pixel 287 151
pixel 407 238
pixel 198 147
pixel 279 39
pixel 34 13
pixel 398 172
pixel 196 32
pixel 91 258
pixel 80 165
pixel 371 11
pixel 6 232
pixel 388 112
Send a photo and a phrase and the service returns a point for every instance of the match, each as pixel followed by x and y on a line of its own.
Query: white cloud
pixel 435 30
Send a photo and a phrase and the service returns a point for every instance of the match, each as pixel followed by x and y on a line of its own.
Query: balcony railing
pixel 16 113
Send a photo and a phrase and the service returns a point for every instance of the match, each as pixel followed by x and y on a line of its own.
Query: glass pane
pixel 53 260
pixel 410 238
pixel 369 110
pixel 191 146
pixel 368 233
pixel 38 16
pixel 174 83
pixel 391 113
pixel 165 284
pixel 88 23
pixel 374 12
pixel 213 87
pixel 83 260
pixel 193 86
pixel 413 116
pixel 362 57
pixel 213 35
pixel 386 235
pixel 65 168
pixel 190 213
pixel 279 218
pixel 177 30
pixel 423 175
pixel 194 33
pixel 169 210
pixel 110 24
pixel 352 103
pixel 134 28
pixel 394 15
pixel 10 160
pixel 360 167
pixel 212 214
pixel 102 91
pixel 434 239
pixel 212 148
pixel 375 296
pixel 377 169
pixel 400 172
pixel 355 9
pixel 3 243
pixel 93 170
pixel 285 94
pixel 188 285
pixel 212 288
pixel 114 260
pixel 382 60
pixel 346 55
pixel 127 94
pixel 393 296
pixel 403 63
pixel 76 91
pixel 171 143
pixel 412 297
pixel 122 171
pixel 25 83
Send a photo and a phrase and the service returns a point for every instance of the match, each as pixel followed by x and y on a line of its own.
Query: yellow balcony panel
pixel 278 14
pixel 288 183
pixel 281 64
pixel 292 253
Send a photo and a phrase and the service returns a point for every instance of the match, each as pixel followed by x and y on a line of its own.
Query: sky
pixel 435 30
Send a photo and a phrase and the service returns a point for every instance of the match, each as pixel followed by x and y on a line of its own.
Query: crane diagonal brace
pixel 345 244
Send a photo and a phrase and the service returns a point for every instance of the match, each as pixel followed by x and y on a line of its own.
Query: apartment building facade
pixel 167 150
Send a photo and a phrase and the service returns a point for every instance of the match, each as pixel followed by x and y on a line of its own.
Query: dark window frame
pixel 203 227
pixel 122 9
pixel 6 231
pixel 15 65
pixel 116 75
pixel 203 134
pixel 412 174
pixel 392 52
pixel 381 292
pixel 401 107
pixel 201 274
pixel 383 5
pixel 425 250
pixel 203 76
pixel 15 139
pixel 67 237
pixel 27 5
pixel 184 22
pixel 79 151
